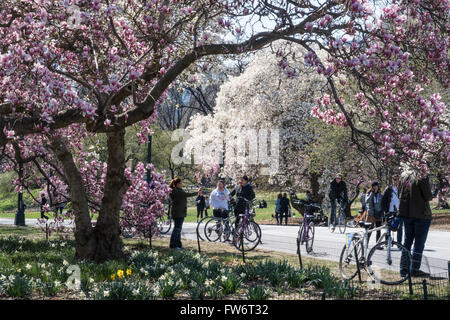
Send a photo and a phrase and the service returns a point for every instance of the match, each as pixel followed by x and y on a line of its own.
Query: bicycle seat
pixel 310 216
pixel 365 224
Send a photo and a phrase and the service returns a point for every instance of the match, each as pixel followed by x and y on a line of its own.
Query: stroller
pixel 315 209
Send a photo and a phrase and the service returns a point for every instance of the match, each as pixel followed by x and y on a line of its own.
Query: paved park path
pixel 327 245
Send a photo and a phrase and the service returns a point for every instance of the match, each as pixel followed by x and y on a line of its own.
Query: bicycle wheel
pixel 389 265
pixel 213 229
pixel 347 261
pixel 201 228
pixel 246 238
pixel 309 238
pixel 164 224
pixel 227 231
pixel 258 230
pixel 342 223
pixel 127 232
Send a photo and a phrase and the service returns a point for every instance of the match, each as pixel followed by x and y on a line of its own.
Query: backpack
pixel 386 199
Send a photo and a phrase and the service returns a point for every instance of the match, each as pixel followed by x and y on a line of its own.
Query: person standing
pixel 243 191
pixel 415 197
pixel 179 210
pixel 284 208
pixel 200 201
pixel 362 199
pixel 391 204
pixel 206 205
pixel 219 200
pixel 374 208
pixel 43 203
pixel 277 208
pixel 338 191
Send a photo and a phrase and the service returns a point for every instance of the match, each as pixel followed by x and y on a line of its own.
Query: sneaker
pixel 380 248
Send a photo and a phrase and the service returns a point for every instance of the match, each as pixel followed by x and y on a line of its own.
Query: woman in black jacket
pixel 415 211
pixel 178 210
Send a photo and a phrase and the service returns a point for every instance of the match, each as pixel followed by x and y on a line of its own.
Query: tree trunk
pixel 108 244
pixel 315 187
pixel 103 242
pixel 83 230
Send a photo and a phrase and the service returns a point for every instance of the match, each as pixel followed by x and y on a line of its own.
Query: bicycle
pixel 219 228
pixel 388 261
pixel 306 232
pixel 341 218
pixel 247 233
pixel 164 223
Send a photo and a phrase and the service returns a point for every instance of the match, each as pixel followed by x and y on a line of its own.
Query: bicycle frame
pixel 364 236
pixel 305 224
pixel 335 215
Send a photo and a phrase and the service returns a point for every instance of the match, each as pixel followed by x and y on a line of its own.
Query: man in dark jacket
pixel 178 210
pixel 201 204
pixel 338 190
pixel 243 190
pixel 416 213
pixel 284 208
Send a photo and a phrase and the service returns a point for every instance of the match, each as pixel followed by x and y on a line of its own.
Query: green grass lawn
pixel 31 268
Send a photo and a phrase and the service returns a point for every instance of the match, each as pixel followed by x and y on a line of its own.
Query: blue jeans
pixel 416 231
pixel 277 216
pixel 175 238
pixel 333 211
pixel 334 203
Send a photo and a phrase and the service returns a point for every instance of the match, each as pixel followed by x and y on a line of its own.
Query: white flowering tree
pixel 266 98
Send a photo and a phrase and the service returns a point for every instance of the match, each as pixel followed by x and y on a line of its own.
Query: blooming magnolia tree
pixel 396 53
pixel 143 203
pixel 74 68
pixel 249 109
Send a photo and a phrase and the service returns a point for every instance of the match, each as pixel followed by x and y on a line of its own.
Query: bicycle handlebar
pixel 246 200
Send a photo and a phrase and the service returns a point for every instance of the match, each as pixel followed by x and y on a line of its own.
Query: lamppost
pixel 20 214
pixel 149 158
pixel 149 177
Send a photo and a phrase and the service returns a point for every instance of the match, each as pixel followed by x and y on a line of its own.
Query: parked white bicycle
pixel 388 262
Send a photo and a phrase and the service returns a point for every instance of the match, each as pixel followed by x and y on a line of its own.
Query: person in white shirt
pixel 219 200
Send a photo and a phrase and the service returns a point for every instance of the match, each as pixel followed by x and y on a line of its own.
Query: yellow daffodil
pixel 128 272
pixel 120 273
pixel 113 277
